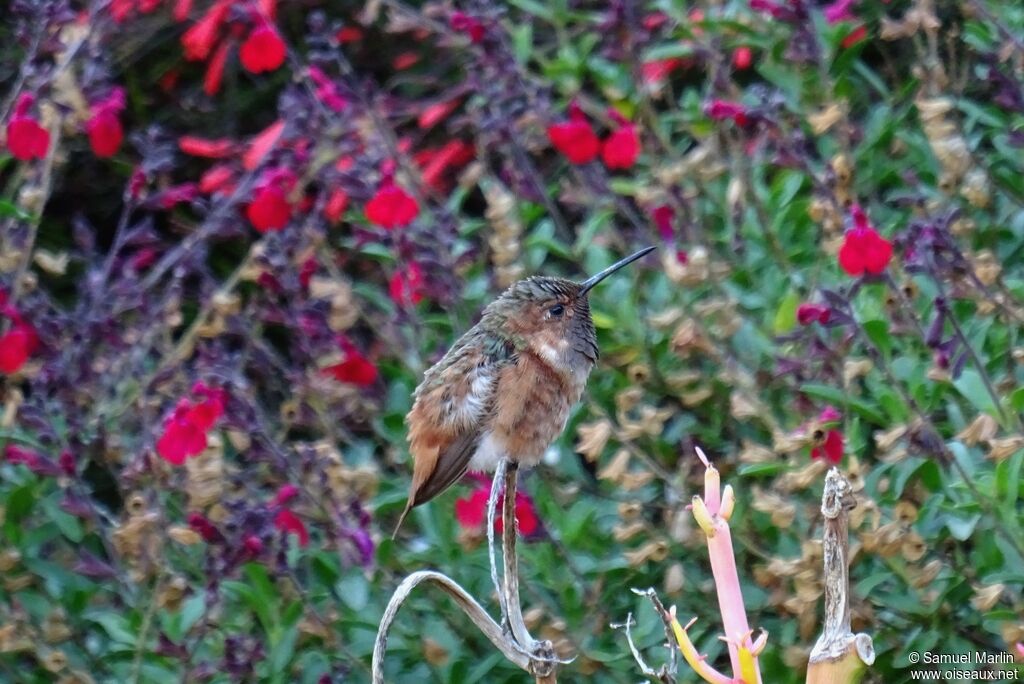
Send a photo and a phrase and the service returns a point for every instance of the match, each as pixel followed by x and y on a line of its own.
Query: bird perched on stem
pixel 505 388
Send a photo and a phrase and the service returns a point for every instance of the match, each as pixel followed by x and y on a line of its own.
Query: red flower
pixel 26 139
pixel 807 313
pixel 471 26
pixel 575 138
pixel 864 250
pixel 205 528
pixel 406 287
pixel 720 110
pixel 16 345
pixel 654 72
pixel 289 523
pixel 355 369
pixel 742 57
pixel 181 439
pixel 471 513
pixel 405 60
pixel 621 148
pixel 263 50
pixel 349 34
pixel 831 449
pixel 217 148
pixel 269 209
pixel 664 216
pixel 105 133
pixel 392 207
pixel 185 429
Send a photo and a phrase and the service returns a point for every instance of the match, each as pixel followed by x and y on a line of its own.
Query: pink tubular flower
pixel 262 144
pixel 864 251
pixel 391 207
pixel 327 90
pixel 840 10
pixel 285 494
pixel 575 138
pixel 208 148
pixel 199 40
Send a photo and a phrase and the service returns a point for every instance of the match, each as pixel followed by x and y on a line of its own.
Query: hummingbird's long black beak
pixel 593 280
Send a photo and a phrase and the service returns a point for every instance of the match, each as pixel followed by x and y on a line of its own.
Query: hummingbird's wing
pixel 451 408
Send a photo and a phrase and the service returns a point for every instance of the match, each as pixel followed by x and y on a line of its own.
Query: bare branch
pixel 839 656
pixel 662 675
pixel 465 601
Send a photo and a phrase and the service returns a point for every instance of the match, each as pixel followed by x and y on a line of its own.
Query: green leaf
pixel 354 590
pixel 785 316
pixel 972 387
pixel 840 398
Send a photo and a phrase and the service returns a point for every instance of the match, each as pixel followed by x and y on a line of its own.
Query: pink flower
pixel 742 57
pixel 864 250
pixel 392 207
pixel 621 149
pixel 285 494
pixel 840 10
pixel 215 148
pixel 199 40
pixel 263 50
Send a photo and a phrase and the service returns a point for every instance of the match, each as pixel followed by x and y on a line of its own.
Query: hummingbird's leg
pixel 492 506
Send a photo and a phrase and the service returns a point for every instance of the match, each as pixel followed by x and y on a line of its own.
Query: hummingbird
pixel 505 388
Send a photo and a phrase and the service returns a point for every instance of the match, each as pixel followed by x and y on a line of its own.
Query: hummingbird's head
pixel 551 317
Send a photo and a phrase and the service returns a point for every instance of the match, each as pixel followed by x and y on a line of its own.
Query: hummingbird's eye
pixel 557 310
